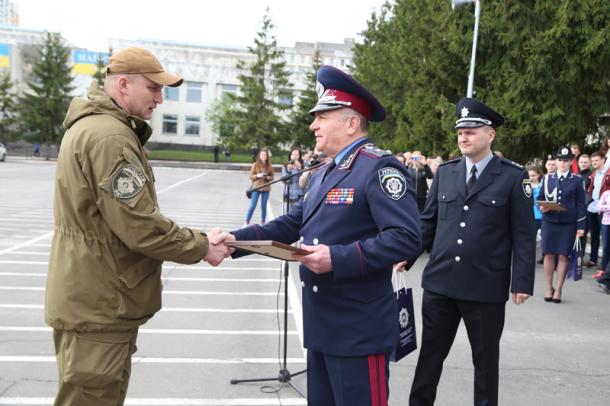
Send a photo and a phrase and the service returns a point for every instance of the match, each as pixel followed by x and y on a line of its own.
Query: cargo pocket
pixel 96 360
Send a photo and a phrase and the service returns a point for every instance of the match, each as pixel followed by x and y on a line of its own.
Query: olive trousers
pixel 94 367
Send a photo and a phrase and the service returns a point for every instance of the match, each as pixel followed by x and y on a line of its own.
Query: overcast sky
pixel 88 24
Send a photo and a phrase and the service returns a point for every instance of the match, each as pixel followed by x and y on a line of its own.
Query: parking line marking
pixel 168 292
pixel 172 401
pixel 160 360
pixel 185 331
pixel 24 244
pixel 164 309
pixel 164 278
pixel 181 182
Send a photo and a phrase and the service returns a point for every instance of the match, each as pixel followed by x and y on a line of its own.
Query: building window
pixel 193 92
pixel 285 98
pixel 191 125
pixel 170 124
pixel 228 89
pixel 171 93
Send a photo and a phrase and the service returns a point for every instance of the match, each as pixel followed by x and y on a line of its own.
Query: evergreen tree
pixel 7 107
pixel 100 71
pixel 300 119
pixel 44 105
pixel 265 94
pixel 543 65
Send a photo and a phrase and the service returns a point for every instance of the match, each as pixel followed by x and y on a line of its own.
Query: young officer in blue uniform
pixel 478 221
pixel 560 228
pixel 359 217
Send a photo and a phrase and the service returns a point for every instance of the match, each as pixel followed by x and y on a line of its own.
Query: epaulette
pixel 451 161
pixel 373 151
pixel 511 163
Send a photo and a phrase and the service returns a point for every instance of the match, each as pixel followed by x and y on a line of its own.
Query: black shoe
pixel 556 300
pixel 604 287
pixel 540 261
pixel 549 299
pixel 589 264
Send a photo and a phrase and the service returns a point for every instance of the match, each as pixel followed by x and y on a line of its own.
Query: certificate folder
pixel 269 248
pixel 554 206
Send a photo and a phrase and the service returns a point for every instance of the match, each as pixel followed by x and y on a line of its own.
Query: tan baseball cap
pixel 142 61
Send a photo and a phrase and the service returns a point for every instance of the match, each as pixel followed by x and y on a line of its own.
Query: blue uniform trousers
pixel 347 381
pixel 441 317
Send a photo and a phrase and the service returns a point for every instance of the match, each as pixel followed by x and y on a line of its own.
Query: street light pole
pixel 473 56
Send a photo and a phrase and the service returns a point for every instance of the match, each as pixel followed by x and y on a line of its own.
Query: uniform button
pixel 559 198
pixel 493 202
pixel 315 241
pixel 457 259
pixel 315 289
pixel 443 198
pixel 303 284
pixel 459 241
pixel 466 208
pixel 560 192
pixel 301 239
pixel 462 224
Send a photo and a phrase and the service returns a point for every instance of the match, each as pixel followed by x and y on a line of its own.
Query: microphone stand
pixel 285 376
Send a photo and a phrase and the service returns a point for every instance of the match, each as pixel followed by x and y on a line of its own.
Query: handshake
pixel 217 250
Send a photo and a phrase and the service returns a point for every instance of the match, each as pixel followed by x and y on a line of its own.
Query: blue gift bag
pixel 406 342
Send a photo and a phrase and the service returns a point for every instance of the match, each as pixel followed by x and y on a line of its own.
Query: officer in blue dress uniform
pixel 359 217
pixel 561 227
pixel 478 222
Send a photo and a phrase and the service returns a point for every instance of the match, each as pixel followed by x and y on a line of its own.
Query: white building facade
pixel 208 72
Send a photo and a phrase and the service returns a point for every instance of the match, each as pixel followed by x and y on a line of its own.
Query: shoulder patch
pixel 392 182
pixel 527 187
pixel 128 181
pixel 511 163
pixel 373 151
pixel 451 161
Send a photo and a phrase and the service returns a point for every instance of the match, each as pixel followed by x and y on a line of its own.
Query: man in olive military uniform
pixel 479 225
pixel 110 238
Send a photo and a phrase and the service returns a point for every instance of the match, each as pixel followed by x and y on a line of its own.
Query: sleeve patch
pixel 392 182
pixel 527 187
pixel 128 181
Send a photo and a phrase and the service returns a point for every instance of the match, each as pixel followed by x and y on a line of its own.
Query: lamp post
pixel 473 57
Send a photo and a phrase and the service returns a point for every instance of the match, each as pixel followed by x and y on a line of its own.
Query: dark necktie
pixel 561 178
pixel 330 168
pixel 472 179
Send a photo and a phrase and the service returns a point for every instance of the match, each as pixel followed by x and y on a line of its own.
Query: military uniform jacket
pixel 474 238
pixel 570 193
pixel 365 211
pixel 110 237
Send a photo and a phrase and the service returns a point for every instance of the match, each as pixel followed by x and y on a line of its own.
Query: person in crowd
pixel 317 158
pixel 603 208
pixel 420 172
pixel 535 175
pixel 584 171
pixel 550 165
pixel 401 157
pixel 479 225
pixel 598 163
pixel 605 147
pixel 261 172
pixel 104 277
pixel 576 154
pixel 560 227
pixel 407 156
pixel 358 219
pixel 291 167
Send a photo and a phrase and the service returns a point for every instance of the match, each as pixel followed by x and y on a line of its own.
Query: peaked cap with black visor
pixel 337 90
pixel 471 113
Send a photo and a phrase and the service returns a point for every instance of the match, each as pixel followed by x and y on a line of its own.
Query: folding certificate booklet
pixel 273 249
pixel 551 205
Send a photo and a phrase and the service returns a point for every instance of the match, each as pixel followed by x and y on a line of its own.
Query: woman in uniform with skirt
pixel 560 226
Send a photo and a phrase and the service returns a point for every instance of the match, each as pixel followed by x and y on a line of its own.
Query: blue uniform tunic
pixel 365 211
pixel 559 227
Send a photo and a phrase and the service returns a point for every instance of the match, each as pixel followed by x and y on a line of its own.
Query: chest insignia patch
pixel 392 182
pixel 128 181
pixel 527 188
pixel 340 196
